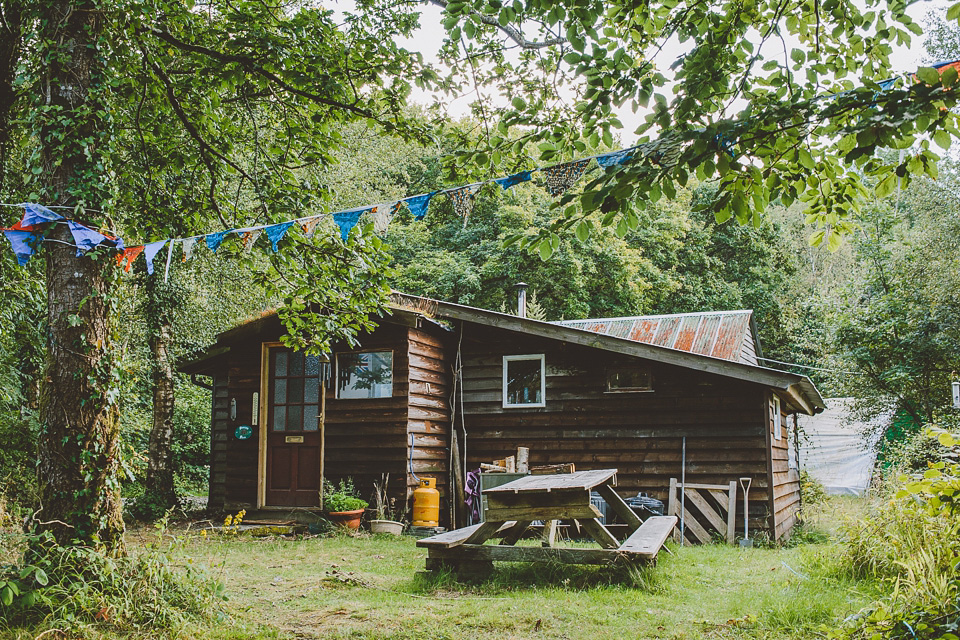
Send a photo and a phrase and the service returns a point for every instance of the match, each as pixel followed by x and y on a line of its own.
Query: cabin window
pixel 777 424
pixel 365 375
pixel 629 380
pixel 294 391
pixel 524 381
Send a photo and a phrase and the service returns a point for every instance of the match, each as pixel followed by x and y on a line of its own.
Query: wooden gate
pixel 708 510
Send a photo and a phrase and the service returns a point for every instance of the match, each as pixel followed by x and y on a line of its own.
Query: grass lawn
pixel 370 587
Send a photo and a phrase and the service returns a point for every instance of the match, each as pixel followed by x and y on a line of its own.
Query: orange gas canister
pixel 426 504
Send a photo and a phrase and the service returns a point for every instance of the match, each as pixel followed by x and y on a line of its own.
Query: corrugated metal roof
pixel 719 334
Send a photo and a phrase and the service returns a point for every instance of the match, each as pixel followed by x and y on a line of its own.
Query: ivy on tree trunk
pixel 77 458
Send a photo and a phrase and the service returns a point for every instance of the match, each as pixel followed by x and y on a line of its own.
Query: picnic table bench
pixel 512 507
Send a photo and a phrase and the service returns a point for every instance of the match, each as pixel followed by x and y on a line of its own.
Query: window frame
pixel 609 372
pixel 543 381
pixel 336 377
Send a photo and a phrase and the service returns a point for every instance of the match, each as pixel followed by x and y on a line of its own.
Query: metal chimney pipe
pixel 521 299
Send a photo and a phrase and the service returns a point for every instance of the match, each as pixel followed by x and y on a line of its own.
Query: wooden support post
pixel 732 513
pixel 513 534
pixel 672 509
pixel 599 533
pixel 459 509
pixel 484 532
pixel 549 533
pixel 619 506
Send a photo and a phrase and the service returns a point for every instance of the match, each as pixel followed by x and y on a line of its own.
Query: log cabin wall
pixel 429 410
pixel 365 438
pixel 786 481
pixel 219 439
pixel 639 433
pixel 242 456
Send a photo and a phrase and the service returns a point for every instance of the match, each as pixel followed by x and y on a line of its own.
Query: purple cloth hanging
pixel 23 243
pixel 472 492
pixel 150 252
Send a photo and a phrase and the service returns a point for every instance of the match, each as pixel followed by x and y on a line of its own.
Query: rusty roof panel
pixel 686 333
pixel 706 335
pixel 667 332
pixel 643 330
pixel 720 334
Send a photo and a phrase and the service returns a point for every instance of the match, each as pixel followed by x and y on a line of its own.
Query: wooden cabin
pixel 440 386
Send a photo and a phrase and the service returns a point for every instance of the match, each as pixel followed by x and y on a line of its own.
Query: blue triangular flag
pixel 276 232
pixel 418 205
pixel 23 244
pixel 517 178
pixel 614 158
pixel 150 251
pixel 84 237
pixel 347 220
pixel 214 240
pixel 37 214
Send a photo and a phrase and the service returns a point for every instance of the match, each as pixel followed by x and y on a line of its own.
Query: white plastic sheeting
pixel 839 450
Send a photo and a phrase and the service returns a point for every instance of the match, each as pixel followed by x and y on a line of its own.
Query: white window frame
pixel 777 420
pixel 543 381
pixel 336 380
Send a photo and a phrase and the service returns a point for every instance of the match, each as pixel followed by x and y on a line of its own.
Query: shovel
pixel 745 483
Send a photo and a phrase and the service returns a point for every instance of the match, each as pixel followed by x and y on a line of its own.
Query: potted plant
pixel 342 505
pixel 386 515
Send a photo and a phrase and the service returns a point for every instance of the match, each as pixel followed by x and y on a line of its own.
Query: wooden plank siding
pixel 638 433
pixel 429 411
pixel 365 438
pixel 786 482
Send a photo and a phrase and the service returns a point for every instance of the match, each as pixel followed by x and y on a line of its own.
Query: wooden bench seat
pixel 456 537
pixel 649 537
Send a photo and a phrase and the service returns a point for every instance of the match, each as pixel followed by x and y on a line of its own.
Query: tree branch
pixel 512 32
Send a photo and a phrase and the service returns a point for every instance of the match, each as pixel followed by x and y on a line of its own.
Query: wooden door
pixel 294 437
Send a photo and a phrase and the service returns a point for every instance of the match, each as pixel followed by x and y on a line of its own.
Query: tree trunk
pixel 78 458
pixel 160 464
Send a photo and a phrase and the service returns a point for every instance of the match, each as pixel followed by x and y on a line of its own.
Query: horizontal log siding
pixel 429 423
pixel 368 438
pixel 637 433
pixel 243 380
pixel 219 438
pixel 786 481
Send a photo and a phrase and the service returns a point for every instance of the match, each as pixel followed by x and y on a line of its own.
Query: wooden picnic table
pixel 512 507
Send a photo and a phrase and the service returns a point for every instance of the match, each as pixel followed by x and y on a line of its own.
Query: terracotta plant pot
pixel 348 519
pixel 386 526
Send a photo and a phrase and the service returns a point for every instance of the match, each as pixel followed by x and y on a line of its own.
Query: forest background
pixel 875 318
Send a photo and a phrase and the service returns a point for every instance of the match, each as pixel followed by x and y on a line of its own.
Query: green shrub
pixel 343 497
pixel 911 543
pixel 812 491
pixel 76 588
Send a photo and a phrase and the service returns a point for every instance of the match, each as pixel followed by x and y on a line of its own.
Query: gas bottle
pixel 426 504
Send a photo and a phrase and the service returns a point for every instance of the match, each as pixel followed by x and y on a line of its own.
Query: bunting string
pixel 25 235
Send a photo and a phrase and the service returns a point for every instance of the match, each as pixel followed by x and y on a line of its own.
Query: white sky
pixel 429 39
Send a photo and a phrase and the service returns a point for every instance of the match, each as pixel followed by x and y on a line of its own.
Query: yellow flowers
pixel 231 524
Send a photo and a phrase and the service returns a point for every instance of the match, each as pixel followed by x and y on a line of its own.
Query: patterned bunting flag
pixel 347 220
pixel 129 256
pixel 463 199
pixel 23 243
pixel 150 252
pixel 563 176
pixel 275 233
pixel 382 214
pixel 310 227
pixel 86 238
pixel 418 205
pixel 250 239
pixel 188 245
pixel 517 178
pixel 214 240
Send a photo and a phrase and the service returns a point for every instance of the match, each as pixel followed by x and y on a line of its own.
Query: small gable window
pixel 629 380
pixel 365 375
pixel 524 381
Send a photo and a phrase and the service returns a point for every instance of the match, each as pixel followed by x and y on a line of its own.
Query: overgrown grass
pixel 372 587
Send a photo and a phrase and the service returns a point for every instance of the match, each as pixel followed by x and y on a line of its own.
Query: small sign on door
pixel 295 439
